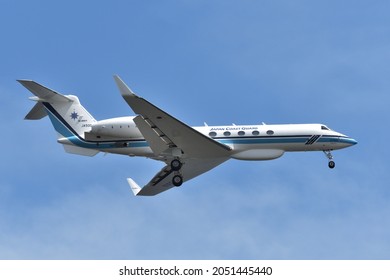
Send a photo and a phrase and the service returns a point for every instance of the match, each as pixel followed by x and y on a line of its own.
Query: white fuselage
pixel 248 142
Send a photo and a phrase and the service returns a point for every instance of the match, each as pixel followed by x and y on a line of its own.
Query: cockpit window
pixel 323 127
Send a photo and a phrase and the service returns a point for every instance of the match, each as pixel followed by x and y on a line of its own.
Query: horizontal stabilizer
pixel 37 112
pixel 79 150
pixel 43 93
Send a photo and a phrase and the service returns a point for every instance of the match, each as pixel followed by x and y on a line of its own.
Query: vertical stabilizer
pixel 69 118
pixel 67 115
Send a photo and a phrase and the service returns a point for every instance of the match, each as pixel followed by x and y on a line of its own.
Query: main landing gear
pixel 329 155
pixel 176 165
pixel 177 180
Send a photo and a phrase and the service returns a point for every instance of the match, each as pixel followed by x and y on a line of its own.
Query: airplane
pixel 186 151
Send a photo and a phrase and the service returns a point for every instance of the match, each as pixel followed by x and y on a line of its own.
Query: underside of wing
pixel 163 180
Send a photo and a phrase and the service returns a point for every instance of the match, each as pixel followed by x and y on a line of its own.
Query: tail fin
pixel 69 118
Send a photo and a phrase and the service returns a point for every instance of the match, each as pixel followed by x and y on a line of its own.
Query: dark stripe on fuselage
pixel 53 111
pixel 312 139
pixel 282 139
pixel 60 118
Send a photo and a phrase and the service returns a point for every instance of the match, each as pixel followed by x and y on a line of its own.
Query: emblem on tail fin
pixel 74 115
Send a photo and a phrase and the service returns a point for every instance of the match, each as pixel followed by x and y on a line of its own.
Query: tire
pixel 177 180
pixel 331 164
pixel 176 165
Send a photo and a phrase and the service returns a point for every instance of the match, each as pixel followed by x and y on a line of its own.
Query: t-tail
pixel 69 118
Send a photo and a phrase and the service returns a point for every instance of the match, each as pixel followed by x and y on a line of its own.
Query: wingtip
pixel 117 78
pixel 25 82
pixel 123 88
pixel 134 186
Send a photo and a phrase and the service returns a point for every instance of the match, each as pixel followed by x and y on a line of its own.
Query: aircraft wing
pixel 171 131
pixel 162 181
pixel 170 138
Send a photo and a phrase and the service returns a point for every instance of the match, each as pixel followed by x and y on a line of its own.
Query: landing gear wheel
pixel 176 165
pixel 177 180
pixel 328 154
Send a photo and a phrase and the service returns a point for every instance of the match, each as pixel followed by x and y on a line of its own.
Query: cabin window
pixel 227 133
pixel 241 133
pixel 212 134
pixel 270 132
pixel 255 132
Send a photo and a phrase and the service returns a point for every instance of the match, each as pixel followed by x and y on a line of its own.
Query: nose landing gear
pixel 329 155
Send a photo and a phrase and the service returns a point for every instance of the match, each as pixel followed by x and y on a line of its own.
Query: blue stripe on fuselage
pixel 263 140
pixel 62 127
pixel 293 139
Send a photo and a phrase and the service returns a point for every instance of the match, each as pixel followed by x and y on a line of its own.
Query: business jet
pixel 186 151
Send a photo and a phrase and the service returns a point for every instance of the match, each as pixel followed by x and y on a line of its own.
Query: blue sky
pixel 245 62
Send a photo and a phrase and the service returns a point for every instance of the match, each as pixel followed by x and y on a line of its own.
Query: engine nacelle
pixel 113 129
pixel 259 154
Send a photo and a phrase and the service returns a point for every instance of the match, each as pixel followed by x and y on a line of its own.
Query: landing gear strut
pixel 329 155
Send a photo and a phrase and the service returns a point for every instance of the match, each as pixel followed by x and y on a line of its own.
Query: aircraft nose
pixel 353 141
pixel 348 140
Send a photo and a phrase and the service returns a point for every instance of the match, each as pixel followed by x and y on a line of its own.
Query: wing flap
pixel 155 138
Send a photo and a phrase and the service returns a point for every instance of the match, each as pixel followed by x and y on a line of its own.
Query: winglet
pixel 134 186
pixel 123 88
